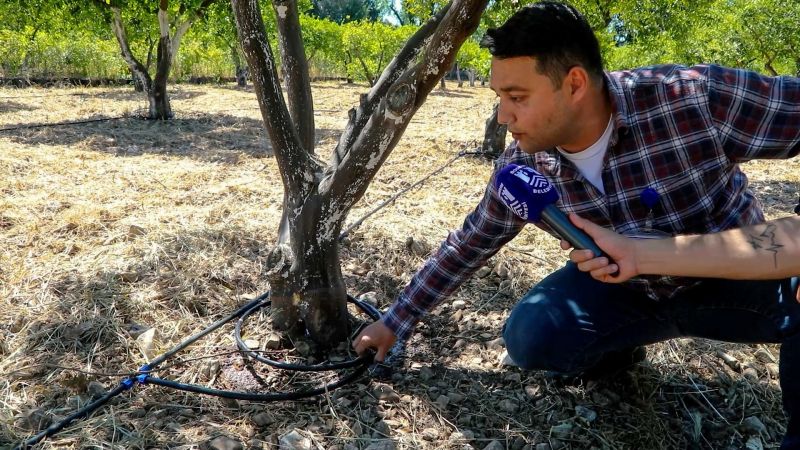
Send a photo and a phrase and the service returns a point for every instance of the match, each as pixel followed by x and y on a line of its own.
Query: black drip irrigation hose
pixel 143 375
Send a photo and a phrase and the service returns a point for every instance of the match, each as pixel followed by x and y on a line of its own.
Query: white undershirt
pixel 590 161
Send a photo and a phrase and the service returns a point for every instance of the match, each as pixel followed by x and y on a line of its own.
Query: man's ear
pixel 576 82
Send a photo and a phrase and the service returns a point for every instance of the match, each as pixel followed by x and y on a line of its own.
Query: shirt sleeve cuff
pixel 401 319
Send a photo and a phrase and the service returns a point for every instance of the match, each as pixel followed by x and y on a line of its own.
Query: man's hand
pixel 620 248
pixel 376 336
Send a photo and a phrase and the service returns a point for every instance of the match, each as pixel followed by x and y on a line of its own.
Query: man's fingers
pixel 381 354
pixel 593 264
pixel 580 256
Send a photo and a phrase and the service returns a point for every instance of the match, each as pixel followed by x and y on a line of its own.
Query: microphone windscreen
pixel 525 191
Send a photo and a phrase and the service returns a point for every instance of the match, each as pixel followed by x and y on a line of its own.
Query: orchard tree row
pixel 356 39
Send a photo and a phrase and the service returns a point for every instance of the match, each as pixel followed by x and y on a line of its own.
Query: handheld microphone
pixel 533 198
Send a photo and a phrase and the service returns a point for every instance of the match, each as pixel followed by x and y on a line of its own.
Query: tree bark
pixel 139 72
pixel 494 138
pixel 307 288
pixel 295 65
pixel 159 99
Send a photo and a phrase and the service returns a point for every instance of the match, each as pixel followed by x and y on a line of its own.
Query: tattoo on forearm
pixel 766 240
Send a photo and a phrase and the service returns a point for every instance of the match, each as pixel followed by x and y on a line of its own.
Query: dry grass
pixel 110 228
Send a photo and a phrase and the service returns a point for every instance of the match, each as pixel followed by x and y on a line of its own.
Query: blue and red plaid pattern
pixel 680 131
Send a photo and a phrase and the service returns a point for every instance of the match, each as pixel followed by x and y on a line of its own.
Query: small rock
pixel 532 391
pixel 750 373
pixel 210 369
pixel 382 444
pixel 255 444
pixel 382 429
pixel 386 393
pixel 729 360
pixel 223 443
pixel 369 297
pixel 518 444
pixel 417 247
pixel 496 344
pixel 501 270
pixel 96 389
pixel 146 343
pixel 459 304
pixel 35 420
pixel 425 373
pixel 509 406
pixel 263 419
pixel 302 347
pixel 561 431
pixel 455 397
pixel 273 342
pixel 293 440
pixel 442 401
pixel 430 434
pixel 772 369
pixel 585 413
pixel 229 403
pixel 765 356
pixel 252 344
pixel 483 272
pixel 129 277
pixel 494 445
pixel 543 446
pixel 136 230
pixel 754 443
pixel 754 425
pixel 357 429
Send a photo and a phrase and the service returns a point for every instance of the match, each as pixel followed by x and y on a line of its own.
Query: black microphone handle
pixel 561 224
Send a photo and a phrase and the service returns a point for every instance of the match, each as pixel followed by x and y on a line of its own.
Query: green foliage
pixel 367 47
pixel 343 11
pixel 69 38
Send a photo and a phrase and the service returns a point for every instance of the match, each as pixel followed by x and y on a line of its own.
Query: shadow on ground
pixel 219 138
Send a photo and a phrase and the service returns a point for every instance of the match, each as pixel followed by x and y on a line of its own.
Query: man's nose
pixel 503 115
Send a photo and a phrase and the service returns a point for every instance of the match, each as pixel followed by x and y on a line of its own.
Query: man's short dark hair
pixel 553 33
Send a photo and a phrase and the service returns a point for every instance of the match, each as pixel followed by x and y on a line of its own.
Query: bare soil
pixel 112 228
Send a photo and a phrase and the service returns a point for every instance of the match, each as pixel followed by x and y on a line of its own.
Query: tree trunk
pixel 458 76
pixel 241 70
pixel 471 73
pixel 137 82
pixel 494 138
pixel 159 100
pixel 138 71
pixel 307 289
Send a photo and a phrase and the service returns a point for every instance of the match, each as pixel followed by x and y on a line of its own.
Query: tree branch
pixel 137 69
pixel 386 124
pixel 298 169
pixel 295 69
pixel 360 116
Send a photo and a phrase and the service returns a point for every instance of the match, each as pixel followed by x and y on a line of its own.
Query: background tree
pixel 343 11
pixel 308 291
pixel 173 22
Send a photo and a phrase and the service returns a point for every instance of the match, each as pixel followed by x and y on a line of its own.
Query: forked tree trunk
pixel 155 88
pixel 307 288
pixel 494 138
pixel 159 100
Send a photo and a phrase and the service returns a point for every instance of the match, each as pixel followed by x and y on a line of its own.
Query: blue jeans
pixel 568 321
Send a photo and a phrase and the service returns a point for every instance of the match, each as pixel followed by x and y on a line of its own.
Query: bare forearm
pixel 763 251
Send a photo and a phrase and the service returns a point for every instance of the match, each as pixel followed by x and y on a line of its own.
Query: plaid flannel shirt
pixel 681 131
